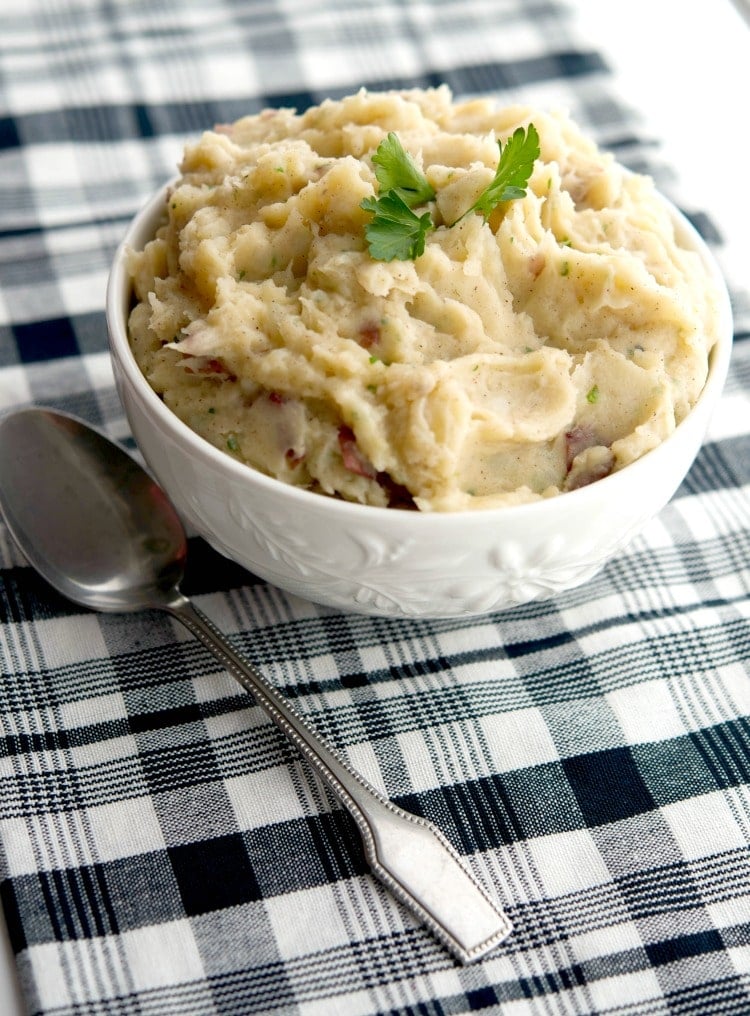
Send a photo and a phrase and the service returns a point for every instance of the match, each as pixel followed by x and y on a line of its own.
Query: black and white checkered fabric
pixel 163 851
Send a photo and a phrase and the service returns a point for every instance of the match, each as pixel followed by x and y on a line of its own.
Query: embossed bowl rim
pixel 617 485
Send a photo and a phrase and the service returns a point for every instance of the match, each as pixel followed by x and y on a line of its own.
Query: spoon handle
pixel 410 855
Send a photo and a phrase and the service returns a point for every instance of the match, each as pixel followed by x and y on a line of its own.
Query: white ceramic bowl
pixel 386 561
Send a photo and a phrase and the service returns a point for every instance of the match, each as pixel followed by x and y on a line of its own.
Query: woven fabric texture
pixel 163 851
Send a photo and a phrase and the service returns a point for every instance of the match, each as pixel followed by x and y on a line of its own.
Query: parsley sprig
pixel 396 231
pixel 514 168
pixel 396 171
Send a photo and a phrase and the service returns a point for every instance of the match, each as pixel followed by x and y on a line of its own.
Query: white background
pixel 685 66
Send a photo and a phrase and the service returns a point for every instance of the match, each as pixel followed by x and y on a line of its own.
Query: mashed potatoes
pixel 515 359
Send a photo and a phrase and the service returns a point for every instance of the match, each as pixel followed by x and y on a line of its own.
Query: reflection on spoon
pixel 97 528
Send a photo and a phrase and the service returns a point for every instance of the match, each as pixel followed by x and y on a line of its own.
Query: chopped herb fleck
pixel 232 443
pixel 592 395
pixel 565 268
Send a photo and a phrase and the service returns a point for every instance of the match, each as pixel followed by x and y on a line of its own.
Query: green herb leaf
pixel 514 168
pixel 395 230
pixel 396 171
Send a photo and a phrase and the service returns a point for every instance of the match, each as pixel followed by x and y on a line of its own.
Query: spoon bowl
pixel 91 521
pixel 100 531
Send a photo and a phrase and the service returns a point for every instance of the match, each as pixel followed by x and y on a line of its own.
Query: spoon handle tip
pixel 410 855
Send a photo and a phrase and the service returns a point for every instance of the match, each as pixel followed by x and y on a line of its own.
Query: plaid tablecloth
pixel 162 849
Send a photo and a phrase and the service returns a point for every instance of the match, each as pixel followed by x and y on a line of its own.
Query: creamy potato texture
pixel 515 359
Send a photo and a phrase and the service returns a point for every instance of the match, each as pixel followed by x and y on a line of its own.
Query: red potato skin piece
pixel 398 495
pixel 604 469
pixel 577 440
pixel 292 455
pixel 293 458
pixel 212 366
pixel 353 458
pixel 369 335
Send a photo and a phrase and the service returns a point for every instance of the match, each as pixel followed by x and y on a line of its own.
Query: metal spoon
pixel 98 529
